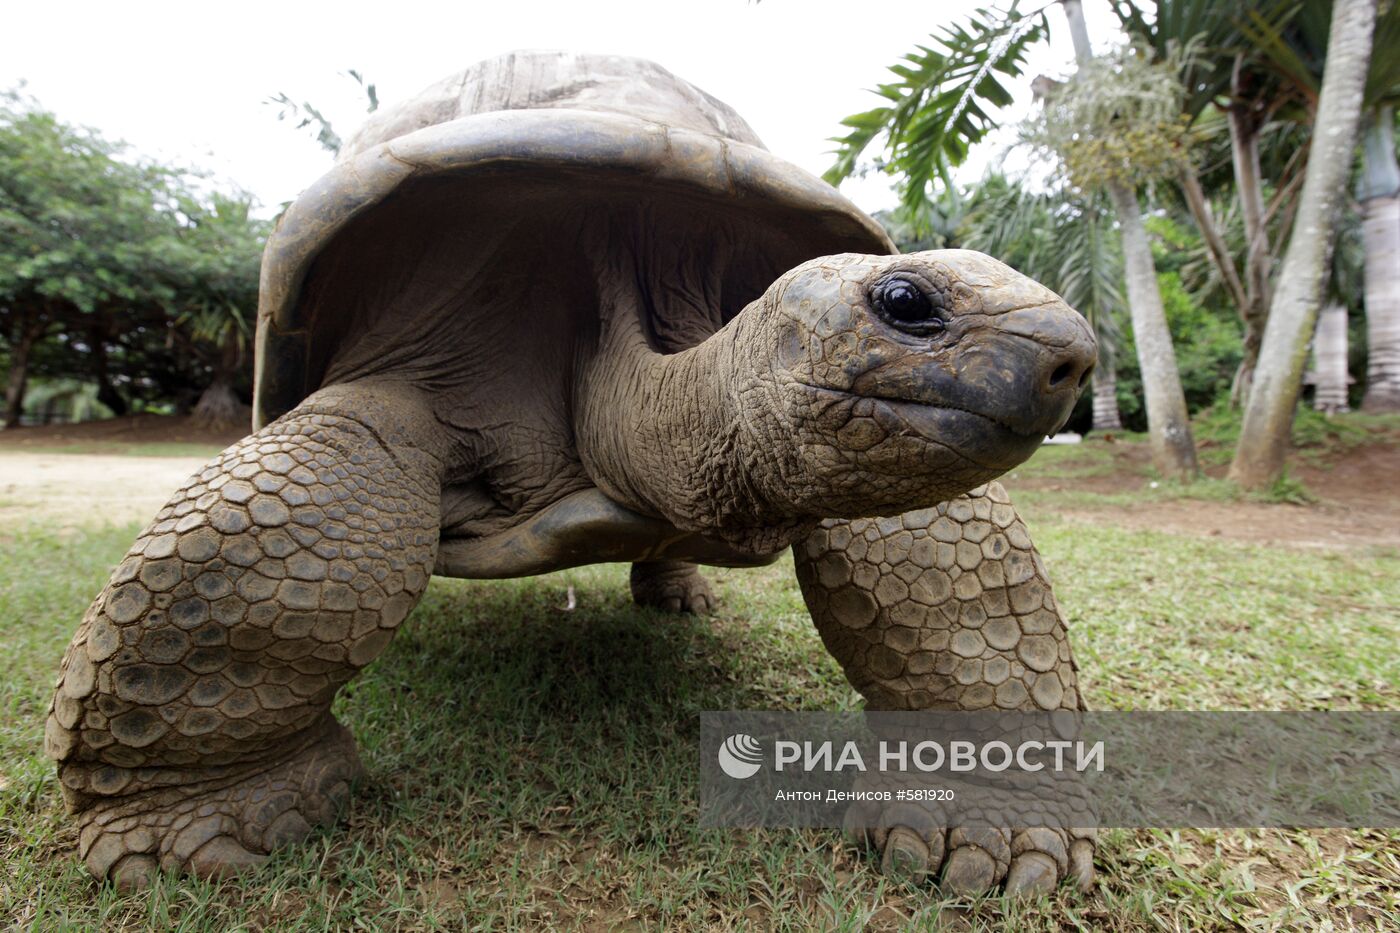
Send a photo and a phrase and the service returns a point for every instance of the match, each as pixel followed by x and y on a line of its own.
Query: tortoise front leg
pixel 672 585
pixel 191 723
pixel 950 608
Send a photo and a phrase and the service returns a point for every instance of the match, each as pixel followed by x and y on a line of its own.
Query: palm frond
pixel 944 101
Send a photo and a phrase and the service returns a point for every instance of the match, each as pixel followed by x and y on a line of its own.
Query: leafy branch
pixel 306 114
pixel 944 101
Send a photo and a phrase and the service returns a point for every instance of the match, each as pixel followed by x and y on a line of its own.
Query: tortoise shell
pixel 528 130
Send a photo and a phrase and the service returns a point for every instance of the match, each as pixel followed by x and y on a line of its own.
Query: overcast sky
pixel 187 82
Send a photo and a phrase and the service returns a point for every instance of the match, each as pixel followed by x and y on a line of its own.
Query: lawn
pixel 532 767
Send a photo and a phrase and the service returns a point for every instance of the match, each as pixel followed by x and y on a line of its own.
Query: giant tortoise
pixel 564 309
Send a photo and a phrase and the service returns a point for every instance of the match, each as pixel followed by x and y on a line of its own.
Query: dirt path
pixel 116 433
pixel 85 489
pixel 1328 525
pixel 1357 507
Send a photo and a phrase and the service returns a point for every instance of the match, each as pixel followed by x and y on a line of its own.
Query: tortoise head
pixel 893 382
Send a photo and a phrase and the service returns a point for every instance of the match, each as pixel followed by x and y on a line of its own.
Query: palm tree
pixel 1228 90
pixel 1264 76
pixel 933 223
pixel 1330 373
pixel 1293 311
pixel 1294 49
pixel 219 248
pixel 1380 207
pixel 1330 360
pixel 1106 121
pixel 1331 377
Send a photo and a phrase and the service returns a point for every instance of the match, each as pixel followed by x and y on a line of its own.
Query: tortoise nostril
pixel 1084 379
pixel 1061 373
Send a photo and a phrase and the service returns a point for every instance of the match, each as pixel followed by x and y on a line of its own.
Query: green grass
pixel 532 768
pixel 1089 459
pixel 1286 490
pixel 1051 478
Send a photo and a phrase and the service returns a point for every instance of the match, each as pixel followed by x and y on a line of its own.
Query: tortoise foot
pixel 223 825
pixel 1021 862
pixel 672 586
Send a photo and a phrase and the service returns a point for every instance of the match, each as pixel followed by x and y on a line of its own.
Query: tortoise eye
pixel 905 305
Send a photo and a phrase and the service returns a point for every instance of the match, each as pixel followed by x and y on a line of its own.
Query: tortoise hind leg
pixel 673 586
pixel 192 723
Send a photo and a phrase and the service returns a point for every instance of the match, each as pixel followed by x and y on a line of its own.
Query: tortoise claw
pixel 975 860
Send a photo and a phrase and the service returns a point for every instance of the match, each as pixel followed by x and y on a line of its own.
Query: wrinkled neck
pixel 666 434
pixel 665 410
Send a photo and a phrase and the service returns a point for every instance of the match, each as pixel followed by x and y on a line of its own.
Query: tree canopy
pixel 136 276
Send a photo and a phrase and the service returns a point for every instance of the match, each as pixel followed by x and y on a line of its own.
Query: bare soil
pixel 136 429
pixel 67 490
pixel 1357 493
pixel 76 474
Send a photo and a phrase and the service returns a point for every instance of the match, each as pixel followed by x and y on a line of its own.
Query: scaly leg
pixel 950 608
pixel 191 723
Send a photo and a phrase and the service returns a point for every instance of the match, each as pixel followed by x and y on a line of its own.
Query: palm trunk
pixel 1217 249
pixel 1268 417
pixel 1254 312
pixel 1330 360
pixel 1168 426
pixel 1106 417
pixel 1380 211
pixel 218 405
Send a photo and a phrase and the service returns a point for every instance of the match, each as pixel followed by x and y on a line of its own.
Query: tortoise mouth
pixel 903 402
pixel 898 404
pixel 1026 384
pixel 983 440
